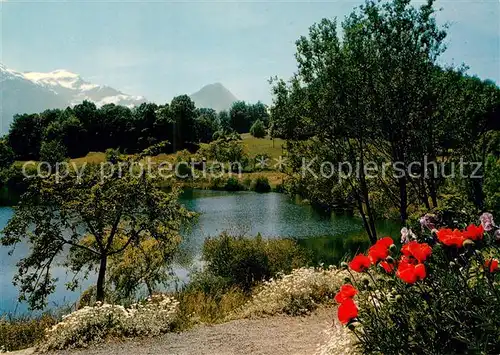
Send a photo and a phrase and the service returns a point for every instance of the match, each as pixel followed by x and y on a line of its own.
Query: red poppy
pixel 377 252
pixel 419 251
pixel 347 311
pixel 410 273
pixel 360 263
pixel 387 267
pixel 491 265
pixel 420 271
pixel 346 292
pixel 474 232
pixel 386 242
pixel 451 237
pixel 380 250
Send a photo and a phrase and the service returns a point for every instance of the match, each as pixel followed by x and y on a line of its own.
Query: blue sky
pixel 160 49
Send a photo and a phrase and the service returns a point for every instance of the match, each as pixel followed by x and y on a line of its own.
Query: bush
pixel 53 152
pixel 24 332
pixel 297 293
pixel 208 299
pixel 243 262
pixel 93 324
pixel 441 297
pixel 233 184
pixel 113 155
pixel 261 184
pixel 258 130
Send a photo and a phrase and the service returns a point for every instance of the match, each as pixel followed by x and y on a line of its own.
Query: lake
pixel 270 214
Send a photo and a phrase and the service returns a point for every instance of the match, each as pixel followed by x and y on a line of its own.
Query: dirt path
pixel 279 335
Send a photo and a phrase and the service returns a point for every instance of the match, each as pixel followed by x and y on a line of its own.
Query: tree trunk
pixel 101 278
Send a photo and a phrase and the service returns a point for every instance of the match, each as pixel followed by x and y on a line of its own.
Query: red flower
pixel 474 232
pixel 451 237
pixel 491 265
pixel 386 242
pixel 377 252
pixel 346 292
pixel 417 250
pixel 360 263
pixel 387 267
pixel 420 271
pixel 410 273
pixel 347 311
pixel 380 250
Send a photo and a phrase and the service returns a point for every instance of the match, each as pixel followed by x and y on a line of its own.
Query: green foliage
pixel 242 116
pixel 23 332
pixel 147 264
pixel 375 93
pixel 226 149
pixel 113 156
pixel 258 130
pixel 107 213
pixel 53 152
pixel 492 184
pixel 233 184
pixel 243 262
pixel 156 149
pixel 261 184
pixel 6 155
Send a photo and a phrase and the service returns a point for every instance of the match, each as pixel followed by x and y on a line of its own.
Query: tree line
pixel 376 93
pixel 85 128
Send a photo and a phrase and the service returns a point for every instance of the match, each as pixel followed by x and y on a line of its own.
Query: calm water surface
pixel 272 215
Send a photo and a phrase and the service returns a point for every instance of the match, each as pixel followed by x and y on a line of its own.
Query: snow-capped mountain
pixel 32 92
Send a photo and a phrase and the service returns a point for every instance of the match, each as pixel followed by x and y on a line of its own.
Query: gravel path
pixel 279 335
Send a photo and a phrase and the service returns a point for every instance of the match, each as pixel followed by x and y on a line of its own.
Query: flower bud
pixel 344 265
pixel 393 249
pixel 390 259
pixel 352 325
pixel 468 243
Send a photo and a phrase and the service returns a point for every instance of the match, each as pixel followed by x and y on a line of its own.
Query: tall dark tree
pixel 183 113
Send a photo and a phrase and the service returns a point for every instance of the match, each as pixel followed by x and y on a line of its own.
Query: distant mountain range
pixel 214 96
pixel 33 92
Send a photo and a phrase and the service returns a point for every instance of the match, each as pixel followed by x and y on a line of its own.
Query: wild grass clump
pixel 23 332
pixel 90 325
pixel 243 262
pixel 299 292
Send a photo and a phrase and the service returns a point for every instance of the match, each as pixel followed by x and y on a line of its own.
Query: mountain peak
pixel 215 96
pixel 32 92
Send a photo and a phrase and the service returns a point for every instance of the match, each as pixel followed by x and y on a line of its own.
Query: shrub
pixel 233 184
pixel 53 152
pixel 243 261
pixel 299 292
pixel 261 184
pixel 440 297
pixel 113 155
pixel 24 332
pixel 258 130
pixel 93 324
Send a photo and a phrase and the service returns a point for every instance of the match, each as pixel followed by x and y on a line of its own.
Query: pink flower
pixel 487 221
pixel 406 235
pixel 428 221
